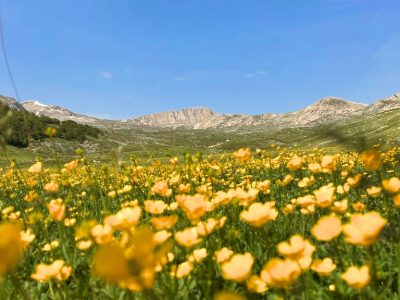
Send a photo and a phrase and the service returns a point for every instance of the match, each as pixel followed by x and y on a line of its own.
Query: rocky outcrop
pixel 11 102
pixel 56 112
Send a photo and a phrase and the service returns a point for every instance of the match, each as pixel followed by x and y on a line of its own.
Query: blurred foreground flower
pixel 10 246
pixel 57 270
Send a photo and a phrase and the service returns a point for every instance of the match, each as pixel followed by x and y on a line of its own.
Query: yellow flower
pixel 51 187
pixel 354 181
pixel 35 168
pixel 238 267
pixel 10 246
pixel 57 270
pixel 183 269
pixel 161 188
pixel 256 285
pixel 374 192
pixel 259 214
pixel 306 182
pixel 327 228
pixel 324 195
pixel 32 195
pixel 101 234
pixel 243 154
pixel 84 245
pixel 340 206
pixel 27 237
pixel 372 160
pixel 198 255
pixel 295 163
pixel 167 222
pixel 56 209
pixel 187 237
pixel 328 163
pixel 280 272
pixel 357 277
pixel 315 167
pixel 224 295
pixel 294 248
pixel 155 206
pixel 124 219
pixel 193 206
pixel 396 200
pixel 364 229
pixel 223 255
pixel 323 267
pixel 392 185
pixel 132 266
pixel 161 236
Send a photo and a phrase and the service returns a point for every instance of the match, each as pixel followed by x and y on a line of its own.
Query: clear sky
pixel 124 58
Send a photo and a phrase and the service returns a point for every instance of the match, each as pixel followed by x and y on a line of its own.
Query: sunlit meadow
pixel 254 224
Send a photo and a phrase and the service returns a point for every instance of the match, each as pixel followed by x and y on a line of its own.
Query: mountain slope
pixel 57 112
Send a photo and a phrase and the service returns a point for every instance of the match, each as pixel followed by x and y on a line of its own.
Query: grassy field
pixel 268 224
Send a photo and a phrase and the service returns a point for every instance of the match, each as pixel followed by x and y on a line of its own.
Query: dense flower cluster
pixel 274 223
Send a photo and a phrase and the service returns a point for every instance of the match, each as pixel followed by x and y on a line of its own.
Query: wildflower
pixel 374 192
pixel 51 187
pixel 27 237
pixel 56 209
pixel 358 206
pixel 364 229
pixel 193 206
pixel 396 200
pixel 295 163
pixel 323 267
pixel 187 237
pixel 35 168
pixel 280 272
pixel 391 185
pixel 327 228
pixel 357 277
pixel 315 167
pixel 324 195
pixel 372 160
pixel 328 163
pixel 223 255
pixel 183 269
pixel 306 182
pixel 238 267
pixel 155 206
pixel 354 181
pixel 161 188
pixel 299 250
pixel 10 246
pixel 259 214
pixel 198 255
pixel 256 285
pixel 102 234
pixel 84 244
pixel 166 222
pixel 243 154
pixel 340 206
pixel 50 246
pixel 161 236
pixel 124 219
pixel 32 195
pixel 132 267
pixel 57 270
pixel 225 295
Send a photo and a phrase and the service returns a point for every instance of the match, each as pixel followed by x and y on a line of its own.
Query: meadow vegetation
pixel 264 224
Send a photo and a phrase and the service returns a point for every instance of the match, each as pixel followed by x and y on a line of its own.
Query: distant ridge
pixel 324 111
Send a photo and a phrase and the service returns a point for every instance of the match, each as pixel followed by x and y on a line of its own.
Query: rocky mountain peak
pixel 188 117
pixel 11 102
pixel 56 112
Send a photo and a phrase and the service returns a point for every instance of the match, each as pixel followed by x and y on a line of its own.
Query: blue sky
pixel 124 58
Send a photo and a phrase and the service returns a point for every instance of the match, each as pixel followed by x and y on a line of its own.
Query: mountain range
pixel 331 123
pixel 324 111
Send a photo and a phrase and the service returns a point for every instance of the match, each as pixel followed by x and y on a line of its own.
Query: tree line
pixel 18 128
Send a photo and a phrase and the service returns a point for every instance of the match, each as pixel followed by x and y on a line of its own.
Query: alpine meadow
pixel 192 150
